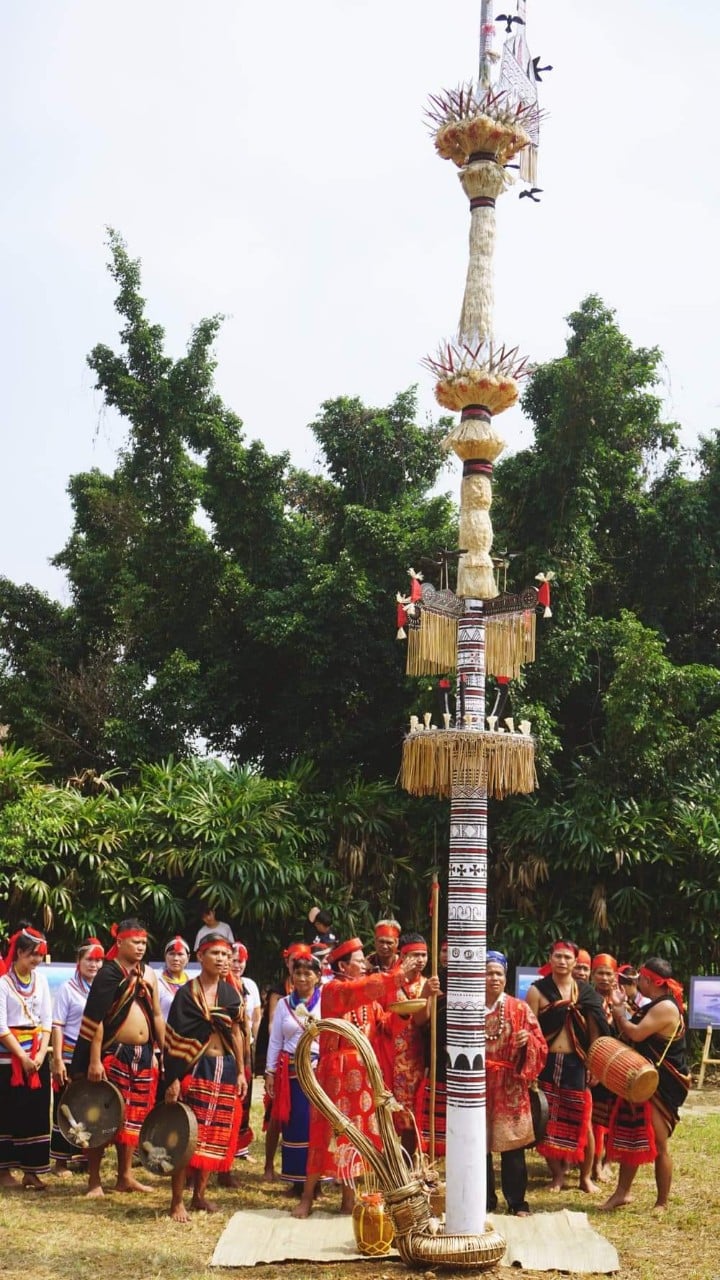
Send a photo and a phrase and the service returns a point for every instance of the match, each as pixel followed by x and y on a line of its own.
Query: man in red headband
pixel 581 970
pixel 571 1016
pixel 121 1027
pixel 639 1134
pixel 387 940
pixel 360 998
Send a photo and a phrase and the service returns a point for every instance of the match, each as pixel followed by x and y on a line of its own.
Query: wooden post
pixel 435 901
pixel 706 1061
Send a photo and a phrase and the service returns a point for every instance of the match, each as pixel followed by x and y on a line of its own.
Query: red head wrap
pixel 91 949
pixel 583 957
pixel 240 952
pixel 26 935
pixel 344 949
pixel 675 988
pixel 563 944
pixel 213 940
pixel 545 970
pixel 604 961
pixel 176 945
pixel 118 934
pixel 297 949
pixel 627 973
pixel 413 946
pixel 384 930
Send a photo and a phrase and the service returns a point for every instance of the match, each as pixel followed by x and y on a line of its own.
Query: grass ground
pixel 59 1235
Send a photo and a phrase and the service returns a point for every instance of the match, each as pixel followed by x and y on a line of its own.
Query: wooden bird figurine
pixel 509 19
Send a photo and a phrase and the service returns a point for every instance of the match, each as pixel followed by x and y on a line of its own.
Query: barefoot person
pixel 67 1015
pixel 121 1026
pixel 571 1016
pixel 516 1053
pixel 25 1018
pixel 639 1134
pixel 205 1068
pixel 291 1107
pixel 359 998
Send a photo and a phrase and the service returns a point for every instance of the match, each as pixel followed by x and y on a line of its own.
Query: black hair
pixel 307 962
pixel 407 938
pixel 323 917
pixel 132 923
pixel 661 967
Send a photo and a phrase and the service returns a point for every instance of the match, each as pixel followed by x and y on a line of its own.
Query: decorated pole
pixel 475 631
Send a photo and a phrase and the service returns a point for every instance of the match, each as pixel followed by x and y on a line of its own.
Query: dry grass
pixel 62 1236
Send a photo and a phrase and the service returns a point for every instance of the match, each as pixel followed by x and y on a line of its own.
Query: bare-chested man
pixel 571 1016
pixel 639 1134
pixel 121 1027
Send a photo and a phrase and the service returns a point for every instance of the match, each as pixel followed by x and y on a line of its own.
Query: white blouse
pixel 288 1025
pixel 19 1009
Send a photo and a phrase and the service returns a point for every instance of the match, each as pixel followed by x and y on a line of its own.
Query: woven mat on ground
pixel 545 1242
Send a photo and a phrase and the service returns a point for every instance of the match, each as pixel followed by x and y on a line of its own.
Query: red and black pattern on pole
pixel 467 893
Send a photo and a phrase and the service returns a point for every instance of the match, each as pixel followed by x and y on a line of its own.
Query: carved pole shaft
pixel 467 913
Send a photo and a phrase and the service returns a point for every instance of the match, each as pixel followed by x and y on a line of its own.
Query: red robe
pixel 341 1072
pixel 509 1072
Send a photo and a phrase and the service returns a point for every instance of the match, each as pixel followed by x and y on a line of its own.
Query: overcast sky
pixel 269 161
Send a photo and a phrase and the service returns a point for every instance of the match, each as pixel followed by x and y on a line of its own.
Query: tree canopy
pixel 227 604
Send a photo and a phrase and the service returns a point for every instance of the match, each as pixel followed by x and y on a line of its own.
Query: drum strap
pixel 671 1037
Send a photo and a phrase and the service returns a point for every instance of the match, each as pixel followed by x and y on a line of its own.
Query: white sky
pixel 270 161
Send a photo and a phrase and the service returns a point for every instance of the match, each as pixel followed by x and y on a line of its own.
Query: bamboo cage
pixel 419 1238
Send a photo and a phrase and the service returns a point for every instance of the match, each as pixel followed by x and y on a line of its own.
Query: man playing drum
pixel 121 1025
pixel 639 1133
pixel 571 1016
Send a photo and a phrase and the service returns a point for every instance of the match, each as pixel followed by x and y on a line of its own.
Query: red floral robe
pixel 341 1072
pixel 402 1055
pixel 509 1072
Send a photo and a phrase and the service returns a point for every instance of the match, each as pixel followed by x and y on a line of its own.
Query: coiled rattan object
pixel 418 1240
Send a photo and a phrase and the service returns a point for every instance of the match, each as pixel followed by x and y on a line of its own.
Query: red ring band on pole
pixel 476 413
pixel 477 467
pixel 482 155
pixel 482 202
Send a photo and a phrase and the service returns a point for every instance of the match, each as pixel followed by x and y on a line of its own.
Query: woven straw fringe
pixel 480 179
pixel 509 643
pixel 434 762
pixel 432 647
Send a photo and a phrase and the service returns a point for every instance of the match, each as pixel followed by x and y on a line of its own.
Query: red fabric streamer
pixel 17 1075
pixel 281 1100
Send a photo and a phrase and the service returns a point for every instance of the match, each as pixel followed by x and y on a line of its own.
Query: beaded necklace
pixel 498 1010
pixel 25 987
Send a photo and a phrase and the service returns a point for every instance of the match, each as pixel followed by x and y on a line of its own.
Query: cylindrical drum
pixel 622 1070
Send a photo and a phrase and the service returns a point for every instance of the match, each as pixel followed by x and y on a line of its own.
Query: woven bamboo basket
pixel 418 1239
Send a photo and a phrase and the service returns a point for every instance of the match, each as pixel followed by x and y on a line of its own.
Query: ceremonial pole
pixel 480 128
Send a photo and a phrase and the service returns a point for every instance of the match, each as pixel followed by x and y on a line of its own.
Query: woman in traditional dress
pixel 25 1024
pixel 360 998
pixel 516 1052
pixel 401 1043
pixel 67 1016
pixel 290 1105
pixel 173 976
pixel 275 993
pixel 204 1067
